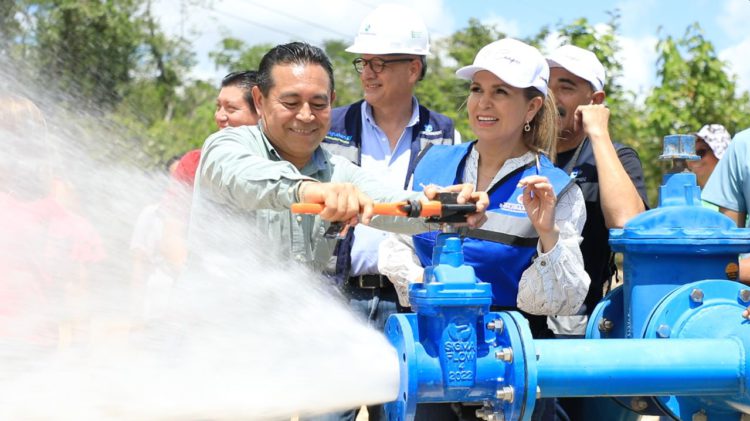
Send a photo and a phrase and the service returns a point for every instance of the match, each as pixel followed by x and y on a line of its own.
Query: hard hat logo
pixel 392 29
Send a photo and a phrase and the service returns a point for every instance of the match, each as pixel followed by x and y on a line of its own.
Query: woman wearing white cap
pixel 529 247
pixel 710 143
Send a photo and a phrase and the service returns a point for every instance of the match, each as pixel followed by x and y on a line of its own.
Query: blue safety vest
pixel 344 138
pixel 505 245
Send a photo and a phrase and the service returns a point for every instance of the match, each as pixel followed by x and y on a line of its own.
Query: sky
pixel 642 23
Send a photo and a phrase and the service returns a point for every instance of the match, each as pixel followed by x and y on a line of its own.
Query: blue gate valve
pixel 453 349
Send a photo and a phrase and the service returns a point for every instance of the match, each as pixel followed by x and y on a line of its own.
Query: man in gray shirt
pixel 250 176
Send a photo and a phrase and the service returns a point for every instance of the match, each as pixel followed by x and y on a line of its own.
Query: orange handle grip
pixel 429 209
pixel 309 208
pixel 393 209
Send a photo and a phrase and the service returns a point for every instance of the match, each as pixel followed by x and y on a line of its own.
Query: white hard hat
pixel 392 29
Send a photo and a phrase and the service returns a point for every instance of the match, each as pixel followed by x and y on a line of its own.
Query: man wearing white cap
pixel 609 174
pixel 383 133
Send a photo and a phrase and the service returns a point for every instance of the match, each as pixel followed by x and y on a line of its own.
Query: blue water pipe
pixel 671 341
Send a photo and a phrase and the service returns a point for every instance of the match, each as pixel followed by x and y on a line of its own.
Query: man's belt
pixel 370 281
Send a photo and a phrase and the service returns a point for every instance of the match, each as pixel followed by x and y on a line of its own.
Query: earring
pixel 527 127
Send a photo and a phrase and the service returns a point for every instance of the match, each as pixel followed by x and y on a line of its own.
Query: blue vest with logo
pixel 506 244
pixel 344 138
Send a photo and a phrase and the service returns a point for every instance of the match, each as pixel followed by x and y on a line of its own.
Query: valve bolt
pixel 637 404
pixel 744 295
pixel 696 296
pixel 505 354
pixel 496 325
pixel 606 325
pixel 663 331
pixel 488 414
pixel 506 394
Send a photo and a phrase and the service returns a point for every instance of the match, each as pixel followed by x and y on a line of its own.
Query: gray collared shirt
pixel 244 190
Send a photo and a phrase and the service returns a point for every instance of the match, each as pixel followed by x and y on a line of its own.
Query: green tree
pixel 87 47
pixel 109 58
pixel 694 88
pixel 234 55
pixel 10 27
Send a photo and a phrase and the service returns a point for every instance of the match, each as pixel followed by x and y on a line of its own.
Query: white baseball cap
pixel 392 29
pixel 516 63
pixel 580 62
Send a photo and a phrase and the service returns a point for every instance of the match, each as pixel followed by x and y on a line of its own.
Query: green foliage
pixel 348 88
pixel 10 26
pixel 694 89
pixel 87 47
pixel 111 57
pixel 234 55
pixel 190 120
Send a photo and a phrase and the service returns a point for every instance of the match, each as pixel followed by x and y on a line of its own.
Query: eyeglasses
pixel 701 152
pixel 376 64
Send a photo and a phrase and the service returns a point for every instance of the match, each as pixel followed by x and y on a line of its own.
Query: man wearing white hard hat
pixel 610 174
pixel 384 133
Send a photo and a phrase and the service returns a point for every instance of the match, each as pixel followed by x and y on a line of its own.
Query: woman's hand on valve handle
pixel 466 194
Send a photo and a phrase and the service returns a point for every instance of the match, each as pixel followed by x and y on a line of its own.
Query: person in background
pixel 159 241
pixel 383 133
pixel 528 249
pixel 728 187
pixel 710 143
pixel 609 174
pixel 171 165
pixel 46 249
pixel 234 105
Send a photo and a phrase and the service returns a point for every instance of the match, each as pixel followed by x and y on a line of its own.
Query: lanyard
pixel 574 160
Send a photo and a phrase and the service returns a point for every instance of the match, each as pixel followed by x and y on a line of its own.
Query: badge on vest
pixel 514 206
pixel 339 138
pixel 574 175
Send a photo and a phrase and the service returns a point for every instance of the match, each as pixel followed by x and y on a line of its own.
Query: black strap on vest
pixel 499 237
